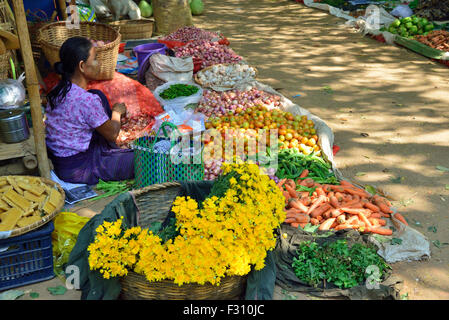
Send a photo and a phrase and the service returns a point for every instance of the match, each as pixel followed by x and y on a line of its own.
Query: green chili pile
pixel 291 163
pixel 111 188
pixel 178 90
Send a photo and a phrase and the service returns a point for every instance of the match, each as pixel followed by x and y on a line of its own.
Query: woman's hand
pixel 120 108
pixel 111 128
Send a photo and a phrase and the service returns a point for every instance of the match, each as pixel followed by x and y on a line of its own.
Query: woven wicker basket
pixel 33 30
pixel 5 65
pixel 52 36
pixel 154 203
pixel 197 80
pixel 46 218
pixel 135 29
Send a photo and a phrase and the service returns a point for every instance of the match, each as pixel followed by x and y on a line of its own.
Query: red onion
pixel 189 33
pixel 210 52
pixel 216 102
pixel 212 169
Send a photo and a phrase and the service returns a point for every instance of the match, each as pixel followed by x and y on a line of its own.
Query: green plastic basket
pixel 153 168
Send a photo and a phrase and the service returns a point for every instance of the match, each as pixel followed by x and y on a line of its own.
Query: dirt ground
pixel 358 85
pixel 397 98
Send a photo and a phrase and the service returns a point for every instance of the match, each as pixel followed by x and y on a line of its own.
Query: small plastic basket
pixel 154 167
pixel 27 258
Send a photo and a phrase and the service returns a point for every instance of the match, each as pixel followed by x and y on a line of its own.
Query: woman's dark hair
pixel 72 51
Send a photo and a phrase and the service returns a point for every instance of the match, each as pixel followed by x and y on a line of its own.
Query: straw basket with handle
pixel 154 203
pixel 52 36
pixel 134 29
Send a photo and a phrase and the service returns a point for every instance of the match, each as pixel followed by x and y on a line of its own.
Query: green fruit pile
pixel 411 26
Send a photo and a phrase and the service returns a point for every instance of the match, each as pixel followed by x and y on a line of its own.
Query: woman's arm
pixel 111 128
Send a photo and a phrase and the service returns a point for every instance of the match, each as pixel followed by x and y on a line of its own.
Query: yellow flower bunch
pixel 114 249
pixel 224 236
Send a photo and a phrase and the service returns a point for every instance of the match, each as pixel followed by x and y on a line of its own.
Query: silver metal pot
pixel 13 126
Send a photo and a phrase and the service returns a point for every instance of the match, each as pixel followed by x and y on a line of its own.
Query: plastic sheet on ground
pixel 413 244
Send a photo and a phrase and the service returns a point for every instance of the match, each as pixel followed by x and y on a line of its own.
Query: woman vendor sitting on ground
pixel 81 128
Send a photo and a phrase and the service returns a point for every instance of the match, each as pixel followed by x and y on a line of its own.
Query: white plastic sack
pixel 12 93
pixel 100 9
pixel 179 103
pixel 169 68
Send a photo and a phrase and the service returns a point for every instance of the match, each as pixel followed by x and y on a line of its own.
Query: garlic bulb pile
pixel 226 75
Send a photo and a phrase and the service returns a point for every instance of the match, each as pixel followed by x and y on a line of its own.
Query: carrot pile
pixel 336 207
pixel 437 39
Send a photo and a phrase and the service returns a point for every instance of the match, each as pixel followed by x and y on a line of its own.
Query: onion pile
pixel 215 103
pixel 209 52
pixel 212 169
pixel 189 33
pixel 133 127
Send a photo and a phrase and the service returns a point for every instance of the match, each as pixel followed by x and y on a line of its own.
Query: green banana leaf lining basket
pixel 420 48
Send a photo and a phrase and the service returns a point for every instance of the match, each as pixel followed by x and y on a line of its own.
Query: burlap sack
pixel 170 15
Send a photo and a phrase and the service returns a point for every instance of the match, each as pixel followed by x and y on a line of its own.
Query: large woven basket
pixel 154 203
pixel 5 65
pixel 46 218
pixel 52 36
pixel 135 29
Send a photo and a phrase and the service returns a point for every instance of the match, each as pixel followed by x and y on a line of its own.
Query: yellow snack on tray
pixel 20 201
pixel 9 219
pixel 33 188
pixel 48 207
pixel 28 212
pixel 26 221
pixel 3 183
pixel 32 197
pixel 12 204
pixel 5 188
pixel 13 183
pixel 4 205
pixel 55 197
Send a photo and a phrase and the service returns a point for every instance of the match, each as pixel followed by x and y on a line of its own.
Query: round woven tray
pixel 52 36
pixel 46 218
pixel 135 29
pixel 197 80
pixel 154 203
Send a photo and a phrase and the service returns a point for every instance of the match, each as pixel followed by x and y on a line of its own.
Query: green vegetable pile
pixel 411 26
pixel 178 90
pixel 339 264
pixel 291 164
pixel 111 188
